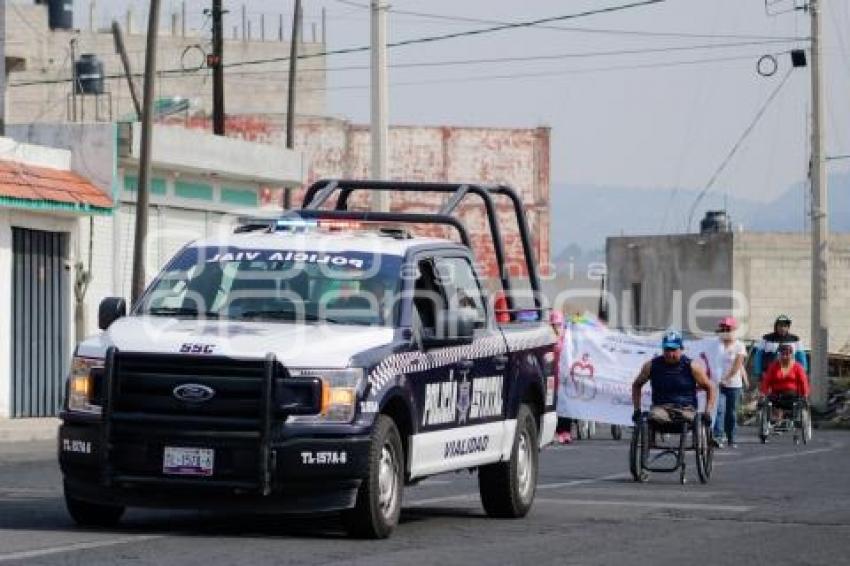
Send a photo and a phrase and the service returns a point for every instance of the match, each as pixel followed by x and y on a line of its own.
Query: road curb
pixel 28 430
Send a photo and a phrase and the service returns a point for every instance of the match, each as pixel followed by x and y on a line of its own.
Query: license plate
pixel 188 461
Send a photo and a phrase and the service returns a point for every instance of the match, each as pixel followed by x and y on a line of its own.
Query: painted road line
pixel 470 496
pixel 781 456
pixel 649 504
pixel 39 552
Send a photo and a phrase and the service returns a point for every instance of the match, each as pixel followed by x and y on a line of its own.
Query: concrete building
pixel 335 148
pixel 200 185
pixel 44 205
pixel 39 68
pixel 691 280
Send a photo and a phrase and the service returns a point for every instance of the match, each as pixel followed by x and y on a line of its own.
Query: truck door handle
pixel 464 365
pixel 500 362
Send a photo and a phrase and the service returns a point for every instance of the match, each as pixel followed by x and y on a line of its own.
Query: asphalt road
pixel 773 504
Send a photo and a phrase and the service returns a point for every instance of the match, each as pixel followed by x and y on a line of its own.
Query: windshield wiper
pixel 179 311
pixel 278 314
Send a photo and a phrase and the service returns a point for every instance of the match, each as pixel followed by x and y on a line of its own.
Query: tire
pixel 764 423
pixel 704 449
pixel 616 432
pixel 806 424
pixel 507 488
pixel 88 514
pixel 636 447
pixel 378 507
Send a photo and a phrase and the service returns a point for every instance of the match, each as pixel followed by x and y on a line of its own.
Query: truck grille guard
pixel 280 395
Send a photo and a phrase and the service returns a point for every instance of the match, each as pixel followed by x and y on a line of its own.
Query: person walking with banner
pixel 728 367
pixel 563 429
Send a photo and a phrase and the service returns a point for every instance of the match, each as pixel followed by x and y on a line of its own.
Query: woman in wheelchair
pixel 785 387
pixel 675 381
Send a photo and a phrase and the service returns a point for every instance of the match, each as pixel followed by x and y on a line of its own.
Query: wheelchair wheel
pixel 806 424
pixel 616 432
pixel 704 448
pixel 796 422
pixel 764 422
pixel 639 444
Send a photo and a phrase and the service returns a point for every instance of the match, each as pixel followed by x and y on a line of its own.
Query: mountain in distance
pixel 592 213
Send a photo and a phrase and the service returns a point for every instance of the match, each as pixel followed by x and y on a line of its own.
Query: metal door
pixel 39 322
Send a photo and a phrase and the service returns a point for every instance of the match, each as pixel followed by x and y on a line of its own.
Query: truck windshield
pixel 344 287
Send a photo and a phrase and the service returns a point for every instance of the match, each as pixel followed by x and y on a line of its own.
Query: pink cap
pixel 728 322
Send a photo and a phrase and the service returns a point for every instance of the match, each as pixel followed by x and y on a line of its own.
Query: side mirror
pixel 110 310
pixel 454 328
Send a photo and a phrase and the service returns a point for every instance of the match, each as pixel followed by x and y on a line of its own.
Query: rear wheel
pixel 507 488
pixel 378 506
pixel 639 443
pixel 88 514
pixel 704 448
pixel 764 422
pixel 806 424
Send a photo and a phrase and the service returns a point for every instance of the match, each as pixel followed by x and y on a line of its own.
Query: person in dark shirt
pixel 674 380
pixel 767 349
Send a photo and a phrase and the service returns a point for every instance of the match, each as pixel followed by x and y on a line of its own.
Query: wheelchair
pixel 796 419
pixel 652 441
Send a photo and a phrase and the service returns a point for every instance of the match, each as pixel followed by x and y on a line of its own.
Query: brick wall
pixel 338 149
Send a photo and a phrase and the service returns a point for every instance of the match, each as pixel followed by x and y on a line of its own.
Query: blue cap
pixel 672 341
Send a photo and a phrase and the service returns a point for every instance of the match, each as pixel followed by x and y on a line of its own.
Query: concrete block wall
pixel 671 271
pixel 774 271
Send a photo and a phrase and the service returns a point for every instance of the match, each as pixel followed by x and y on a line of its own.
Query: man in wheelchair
pixel 674 380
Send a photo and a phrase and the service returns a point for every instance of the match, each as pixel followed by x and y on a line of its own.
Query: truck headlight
pixel 340 391
pixel 81 385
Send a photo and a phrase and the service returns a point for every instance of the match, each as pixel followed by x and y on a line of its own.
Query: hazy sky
pixel 630 124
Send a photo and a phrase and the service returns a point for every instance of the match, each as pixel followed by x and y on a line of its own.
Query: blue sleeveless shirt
pixel 672 384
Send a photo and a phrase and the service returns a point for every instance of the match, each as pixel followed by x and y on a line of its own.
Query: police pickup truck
pixel 312 363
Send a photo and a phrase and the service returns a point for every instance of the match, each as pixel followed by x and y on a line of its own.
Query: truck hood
pixel 294 344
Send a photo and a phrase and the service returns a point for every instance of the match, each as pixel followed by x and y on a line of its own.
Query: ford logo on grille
pixel 193 393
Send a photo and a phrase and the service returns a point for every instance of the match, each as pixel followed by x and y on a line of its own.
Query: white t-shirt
pixel 724 359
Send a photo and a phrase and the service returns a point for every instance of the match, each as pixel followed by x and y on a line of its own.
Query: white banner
pixel 598 367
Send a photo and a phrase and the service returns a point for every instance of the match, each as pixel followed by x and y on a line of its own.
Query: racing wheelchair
pixel 679 436
pixel 796 419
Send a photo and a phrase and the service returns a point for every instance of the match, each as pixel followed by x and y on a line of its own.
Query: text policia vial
pixel 302 257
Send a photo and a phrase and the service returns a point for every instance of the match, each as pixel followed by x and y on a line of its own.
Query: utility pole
pixel 216 61
pixel 290 97
pixel 143 190
pixel 820 221
pixel 379 130
pixel 125 61
pixel 2 68
pixel 72 46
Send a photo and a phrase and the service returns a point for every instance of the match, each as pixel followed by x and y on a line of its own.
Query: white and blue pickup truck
pixel 313 363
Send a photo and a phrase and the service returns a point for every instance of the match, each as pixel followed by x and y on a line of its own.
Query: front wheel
pixel 378 506
pixel 507 488
pixel 88 514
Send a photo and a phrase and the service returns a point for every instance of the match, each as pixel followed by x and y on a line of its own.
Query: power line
pixel 609 31
pixel 468 79
pixel 545 57
pixel 462 62
pixel 420 40
pixel 747 131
